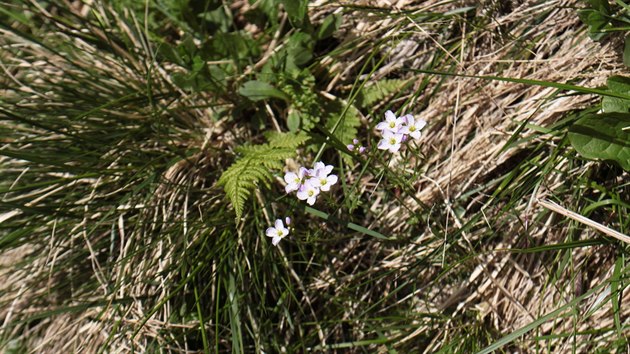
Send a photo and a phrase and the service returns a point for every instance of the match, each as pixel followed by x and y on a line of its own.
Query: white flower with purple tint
pixel 294 180
pixel 321 178
pixel 413 127
pixel 391 123
pixel 319 167
pixel 278 232
pixel 355 146
pixel 309 192
pixel 390 141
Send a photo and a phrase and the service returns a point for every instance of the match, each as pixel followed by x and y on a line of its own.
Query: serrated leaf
pixel 288 140
pixel 259 90
pixel 255 166
pixel 342 126
pixel 603 136
pixel 379 90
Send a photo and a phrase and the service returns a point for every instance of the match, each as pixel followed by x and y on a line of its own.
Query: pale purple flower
pixel 355 146
pixel 278 232
pixel 390 141
pixel 412 127
pixel 322 180
pixel 287 220
pixel 308 191
pixel 294 180
pixel 320 166
pixel 391 123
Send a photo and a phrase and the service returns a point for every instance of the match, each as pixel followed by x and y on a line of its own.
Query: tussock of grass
pixel 115 234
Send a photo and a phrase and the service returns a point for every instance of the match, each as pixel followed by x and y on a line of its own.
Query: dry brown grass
pixel 470 121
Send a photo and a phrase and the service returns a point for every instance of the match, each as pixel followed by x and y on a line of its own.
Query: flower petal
pixel 389 115
pixel 332 179
pixel 311 200
pixel 278 224
pixel 328 169
pixel 318 166
pixel 290 177
pixel 291 187
pixel 416 135
pixel 301 194
pixel 382 126
pixel 421 123
pixel 275 240
pixel 394 148
pixel 287 220
pixel 271 232
pixel 383 144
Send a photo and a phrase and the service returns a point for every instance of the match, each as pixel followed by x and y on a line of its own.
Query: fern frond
pixel 379 91
pixel 347 128
pixel 255 166
pixel 288 140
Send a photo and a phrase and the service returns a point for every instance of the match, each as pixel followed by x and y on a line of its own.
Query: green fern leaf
pixel 348 123
pixel 288 140
pixel 255 165
pixel 378 91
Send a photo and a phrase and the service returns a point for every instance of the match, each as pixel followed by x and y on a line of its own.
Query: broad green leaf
pixel 297 11
pixel 626 51
pixel 601 6
pixel 595 22
pixel 259 90
pixel 329 26
pixel 299 50
pixel 603 136
pixel 293 120
pixel 617 84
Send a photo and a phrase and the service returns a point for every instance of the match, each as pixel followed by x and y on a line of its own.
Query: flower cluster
pixel 278 231
pixel 355 146
pixel 309 182
pixel 397 130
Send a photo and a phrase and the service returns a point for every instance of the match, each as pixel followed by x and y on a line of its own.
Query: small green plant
pixel 606 135
pixel 256 165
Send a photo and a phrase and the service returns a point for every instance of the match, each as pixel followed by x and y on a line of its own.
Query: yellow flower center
pixel 392 124
pixel 412 128
pixel 322 181
pixel 392 141
pixel 310 193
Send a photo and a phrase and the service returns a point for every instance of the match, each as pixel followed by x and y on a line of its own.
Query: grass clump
pixel 144 144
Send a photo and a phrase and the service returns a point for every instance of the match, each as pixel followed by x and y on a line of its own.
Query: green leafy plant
pixel 603 136
pixel 256 165
pixel 606 136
